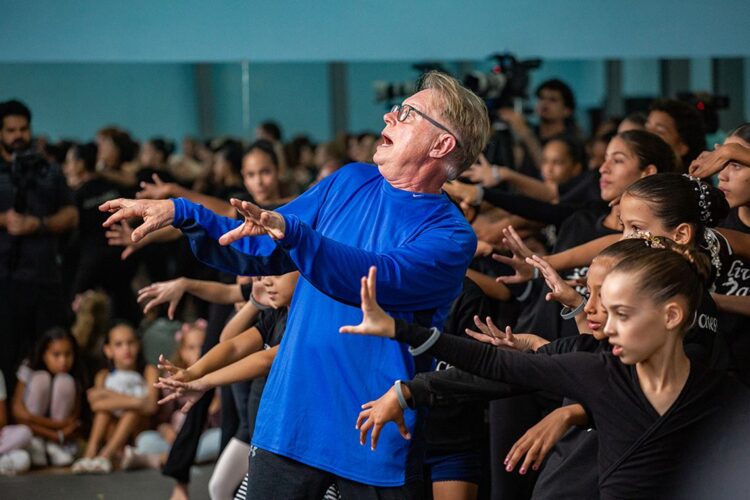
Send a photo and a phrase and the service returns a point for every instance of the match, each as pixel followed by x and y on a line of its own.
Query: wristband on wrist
pixel 400 395
pixel 480 194
pixel 568 313
pixel 526 292
pixel 496 173
pixel 257 304
pixel 416 351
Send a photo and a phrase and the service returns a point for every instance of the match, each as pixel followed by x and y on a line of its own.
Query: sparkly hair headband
pixel 704 203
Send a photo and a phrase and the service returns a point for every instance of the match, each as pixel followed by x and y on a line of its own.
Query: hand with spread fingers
pixel 156 214
pixel 257 223
pixel 483 172
pixel 190 392
pixel 489 333
pixel 560 291
pixel 376 414
pixel 173 372
pixel 524 270
pixel 162 292
pixel 375 321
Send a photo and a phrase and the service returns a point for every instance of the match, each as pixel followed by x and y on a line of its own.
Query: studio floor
pixel 134 485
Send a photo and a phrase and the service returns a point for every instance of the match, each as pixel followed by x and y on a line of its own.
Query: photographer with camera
pixel 35 207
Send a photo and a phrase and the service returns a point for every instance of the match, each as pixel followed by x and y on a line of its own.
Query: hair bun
pixel 712 203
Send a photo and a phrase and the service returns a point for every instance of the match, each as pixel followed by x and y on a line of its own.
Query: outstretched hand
pixel 376 414
pixel 375 321
pixel 560 291
pixel 537 442
pixel 709 163
pixel 524 271
pixel 489 333
pixel 190 392
pixel 257 222
pixel 162 292
pixel 156 214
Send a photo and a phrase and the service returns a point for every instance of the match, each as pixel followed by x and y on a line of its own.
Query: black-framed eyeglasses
pixel 402 113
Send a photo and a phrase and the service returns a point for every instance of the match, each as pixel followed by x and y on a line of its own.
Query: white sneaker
pixel 13 462
pixel 81 466
pixel 37 451
pixel 58 457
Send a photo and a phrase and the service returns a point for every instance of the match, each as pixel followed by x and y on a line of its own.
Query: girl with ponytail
pixel 648 397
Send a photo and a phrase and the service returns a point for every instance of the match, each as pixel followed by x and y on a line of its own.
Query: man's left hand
pixel 257 222
pixel 21 224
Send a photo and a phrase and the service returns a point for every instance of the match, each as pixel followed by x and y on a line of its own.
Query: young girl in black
pixel 647 397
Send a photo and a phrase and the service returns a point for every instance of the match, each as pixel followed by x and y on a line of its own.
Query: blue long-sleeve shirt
pixel 421 245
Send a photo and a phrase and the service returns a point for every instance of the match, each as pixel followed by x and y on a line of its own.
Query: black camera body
pixel 507 82
pixel 27 168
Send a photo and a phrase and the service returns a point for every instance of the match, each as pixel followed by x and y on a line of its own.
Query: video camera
pixel 507 82
pixel 708 105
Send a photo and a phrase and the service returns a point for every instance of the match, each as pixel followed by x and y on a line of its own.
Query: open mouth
pixel 617 350
pixel 386 141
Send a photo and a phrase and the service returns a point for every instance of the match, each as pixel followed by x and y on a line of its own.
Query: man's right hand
pixel 156 214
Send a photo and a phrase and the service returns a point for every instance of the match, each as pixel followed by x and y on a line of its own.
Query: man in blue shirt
pixel 393 217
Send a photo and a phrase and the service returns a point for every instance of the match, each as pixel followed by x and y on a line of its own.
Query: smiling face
pixel 279 289
pixel 406 145
pixel 635 326
pixel 620 169
pixel 734 179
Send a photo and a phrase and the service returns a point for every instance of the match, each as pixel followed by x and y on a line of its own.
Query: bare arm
pixel 489 286
pixel 22 415
pixel 582 255
pixel 738 241
pixel 735 304
pixel 250 367
pixel 106 400
pixel 529 186
pixel 226 353
pixel 239 322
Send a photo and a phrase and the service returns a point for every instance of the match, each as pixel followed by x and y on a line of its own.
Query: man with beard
pixel 35 207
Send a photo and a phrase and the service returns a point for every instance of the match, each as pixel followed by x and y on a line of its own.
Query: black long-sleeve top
pixel 639 450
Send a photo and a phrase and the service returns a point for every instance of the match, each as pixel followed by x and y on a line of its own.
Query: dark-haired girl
pixel 734 182
pixel 647 397
pixel 121 399
pixel 47 398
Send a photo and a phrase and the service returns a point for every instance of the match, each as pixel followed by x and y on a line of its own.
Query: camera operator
pixel 35 207
pixel 555 106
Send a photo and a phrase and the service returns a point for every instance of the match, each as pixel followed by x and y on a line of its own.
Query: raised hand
pixel 159 293
pixel 159 190
pixel 257 222
pixel 156 214
pixel 376 414
pixel 524 271
pixel 191 392
pixel 537 442
pixel 709 163
pixel 489 333
pixel 173 372
pixel 375 321
pixel 483 172
pixel 560 291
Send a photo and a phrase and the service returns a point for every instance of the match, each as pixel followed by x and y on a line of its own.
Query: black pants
pixel 182 454
pixel 27 310
pixel 274 476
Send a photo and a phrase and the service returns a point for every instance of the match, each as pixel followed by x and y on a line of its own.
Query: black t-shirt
pixel 33 257
pixel 736 281
pixel 542 317
pixel 459 427
pixel 88 197
pixel 271 325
